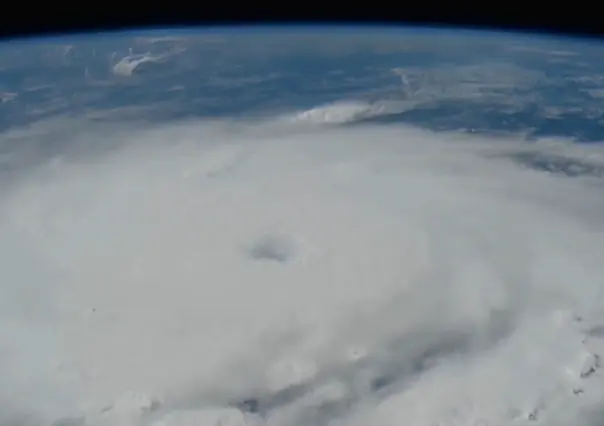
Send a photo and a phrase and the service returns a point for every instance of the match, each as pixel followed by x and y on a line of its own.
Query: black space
pixel 25 20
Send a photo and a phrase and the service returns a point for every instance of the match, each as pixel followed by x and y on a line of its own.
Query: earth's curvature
pixel 302 227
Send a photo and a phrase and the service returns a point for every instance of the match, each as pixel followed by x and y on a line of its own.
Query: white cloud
pixel 411 277
pixel 7 97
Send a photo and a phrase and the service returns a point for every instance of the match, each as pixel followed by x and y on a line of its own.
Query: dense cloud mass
pixel 289 273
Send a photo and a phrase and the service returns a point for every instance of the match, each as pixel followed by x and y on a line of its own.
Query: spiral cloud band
pixel 299 272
